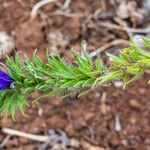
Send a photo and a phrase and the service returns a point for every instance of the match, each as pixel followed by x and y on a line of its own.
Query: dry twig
pixel 66 14
pixel 5 141
pixel 66 4
pixel 127 29
pixel 107 45
pixel 38 5
pixel 38 138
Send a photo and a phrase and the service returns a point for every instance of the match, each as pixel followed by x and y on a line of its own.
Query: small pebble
pixel 118 84
pixel 6 44
pixel 124 142
pixel 74 143
pixel 117 124
pixel 97 94
pixel 134 104
pixel 104 97
pixel 40 111
pixel 133 120
pixel 104 108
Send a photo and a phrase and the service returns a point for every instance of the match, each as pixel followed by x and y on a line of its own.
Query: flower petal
pixel 5 80
pixel 4 85
pixel 4 77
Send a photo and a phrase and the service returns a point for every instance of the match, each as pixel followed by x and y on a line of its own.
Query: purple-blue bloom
pixel 5 80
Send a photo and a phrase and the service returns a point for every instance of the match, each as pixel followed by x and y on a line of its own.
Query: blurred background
pixel 106 118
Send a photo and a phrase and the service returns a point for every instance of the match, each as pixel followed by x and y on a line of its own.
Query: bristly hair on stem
pixel 56 76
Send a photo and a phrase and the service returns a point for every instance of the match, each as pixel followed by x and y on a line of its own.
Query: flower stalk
pixel 57 76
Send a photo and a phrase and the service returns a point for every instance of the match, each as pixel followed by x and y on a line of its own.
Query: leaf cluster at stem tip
pixel 55 76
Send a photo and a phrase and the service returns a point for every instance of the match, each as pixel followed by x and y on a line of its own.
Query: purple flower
pixel 5 80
